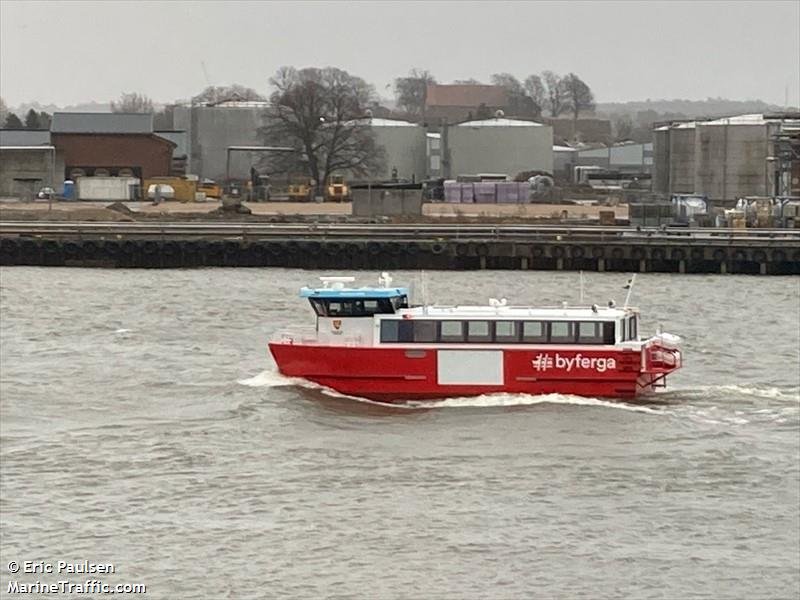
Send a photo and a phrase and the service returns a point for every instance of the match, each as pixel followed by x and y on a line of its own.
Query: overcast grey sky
pixel 70 52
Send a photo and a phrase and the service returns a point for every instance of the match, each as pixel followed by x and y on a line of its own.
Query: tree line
pixel 323 113
pixel 558 94
pixel 33 119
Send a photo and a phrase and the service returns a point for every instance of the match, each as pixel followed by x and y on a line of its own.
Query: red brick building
pixel 457 102
pixel 110 144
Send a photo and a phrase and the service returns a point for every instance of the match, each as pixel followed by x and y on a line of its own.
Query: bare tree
pixel 623 127
pixel 555 92
pixel 132 103
pixel 3 110
pixel 579 96
pixel 214 94
pixel 470 81
pixel 519 103
pixel 535 89
pixel 411 92
pixel 321 113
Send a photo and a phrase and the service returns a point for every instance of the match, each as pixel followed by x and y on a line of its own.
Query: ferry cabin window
pixel 506 331
pixel 590 332
pixel 452 331
pixel 562 332
pixel 425 331
pixel 499 332
pixel 623 330
pixel 534 332
pixel 479 331
pixel 394 331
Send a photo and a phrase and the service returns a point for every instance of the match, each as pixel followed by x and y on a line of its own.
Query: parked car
pixel 46 193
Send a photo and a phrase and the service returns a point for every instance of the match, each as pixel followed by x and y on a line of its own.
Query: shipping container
pixel 107 188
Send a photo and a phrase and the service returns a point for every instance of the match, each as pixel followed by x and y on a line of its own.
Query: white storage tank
pixel 500 146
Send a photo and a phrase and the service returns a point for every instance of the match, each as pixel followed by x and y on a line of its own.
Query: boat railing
pixel 662 355
pixel 292 337
pixel 508 308
pixel 311 339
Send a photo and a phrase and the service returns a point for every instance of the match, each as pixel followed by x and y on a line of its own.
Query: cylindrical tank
pixel 69 190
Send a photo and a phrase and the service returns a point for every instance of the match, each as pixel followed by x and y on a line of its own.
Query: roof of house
pixel 102 123
pixel 746 119
pixel 376 122
pixel 500 123
pixel 179 138
pixel 467 96
pixel 24 137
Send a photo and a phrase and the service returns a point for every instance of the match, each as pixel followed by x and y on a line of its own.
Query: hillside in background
pixel 92 106
pixel 634 120
pixel 690 109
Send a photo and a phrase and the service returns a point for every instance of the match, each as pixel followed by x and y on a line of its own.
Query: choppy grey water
pixel 142 424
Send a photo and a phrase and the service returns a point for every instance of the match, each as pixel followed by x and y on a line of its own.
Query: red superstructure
pixel 369 343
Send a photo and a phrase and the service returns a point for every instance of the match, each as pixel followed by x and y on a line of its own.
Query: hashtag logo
pixel 542 362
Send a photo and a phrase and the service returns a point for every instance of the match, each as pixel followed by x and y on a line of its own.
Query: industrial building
pixel 729 158
pixel 564 161
pixel 508 146
pixel 584 129
pixel 110 145
pixel 624 158
pixel 212 128
pixel 180 153
pixel 404 146
pixel 28 162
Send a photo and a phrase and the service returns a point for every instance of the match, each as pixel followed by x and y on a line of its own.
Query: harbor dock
pixel 400 246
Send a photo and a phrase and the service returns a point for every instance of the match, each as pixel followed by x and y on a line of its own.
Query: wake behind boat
pixel 369 342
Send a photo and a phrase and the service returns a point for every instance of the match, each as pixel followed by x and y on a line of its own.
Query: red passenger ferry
pixel 370 343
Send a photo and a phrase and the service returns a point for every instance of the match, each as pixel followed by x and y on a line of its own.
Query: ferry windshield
pixel 357 307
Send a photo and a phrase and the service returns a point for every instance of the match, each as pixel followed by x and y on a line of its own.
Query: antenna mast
pixel 629 286
pixel 424 286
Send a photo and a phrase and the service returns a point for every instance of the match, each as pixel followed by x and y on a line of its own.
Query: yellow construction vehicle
pixel 300 189
pixel 337 190
pixel 211 188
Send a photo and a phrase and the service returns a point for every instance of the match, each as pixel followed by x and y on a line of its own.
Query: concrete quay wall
pixel 765 257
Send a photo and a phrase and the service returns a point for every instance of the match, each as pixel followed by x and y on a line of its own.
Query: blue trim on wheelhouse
pixel 353 292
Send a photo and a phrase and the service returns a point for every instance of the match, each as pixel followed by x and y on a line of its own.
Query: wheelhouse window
pixel 479 331
pixel 562 332
pixel 451 331
pixel 608 333
pixel 633 326
pixel 534 332
pixel 355 307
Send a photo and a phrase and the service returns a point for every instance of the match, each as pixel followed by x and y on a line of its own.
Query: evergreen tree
pixel 12 122
pixel 45 119
pixel 32 120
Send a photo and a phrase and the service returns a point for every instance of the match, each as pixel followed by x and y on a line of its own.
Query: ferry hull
pixel 401 374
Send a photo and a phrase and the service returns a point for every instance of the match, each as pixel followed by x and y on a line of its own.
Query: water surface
pixel 142 423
